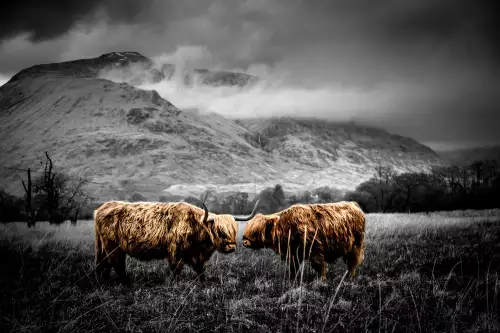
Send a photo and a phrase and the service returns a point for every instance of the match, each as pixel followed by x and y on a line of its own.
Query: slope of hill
pixel 467 156
pixel 127 140
pixel 327 143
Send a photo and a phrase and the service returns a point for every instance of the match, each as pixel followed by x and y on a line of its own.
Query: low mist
pixel 272 95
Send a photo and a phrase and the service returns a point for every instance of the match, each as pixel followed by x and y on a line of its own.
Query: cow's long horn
pixel 248 217
pixel 205 217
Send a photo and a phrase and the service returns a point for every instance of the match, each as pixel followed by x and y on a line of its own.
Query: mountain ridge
pixel 93 68
pixel 127 140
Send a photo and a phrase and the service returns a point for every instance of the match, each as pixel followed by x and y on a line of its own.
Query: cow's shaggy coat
pixel 180 232
pixel 330 231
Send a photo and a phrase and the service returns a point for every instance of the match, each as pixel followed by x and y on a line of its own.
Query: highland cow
pixel 329 231
pixel 180 232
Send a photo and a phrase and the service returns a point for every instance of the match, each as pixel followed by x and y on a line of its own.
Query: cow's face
pixel 224 230
pixel 258 231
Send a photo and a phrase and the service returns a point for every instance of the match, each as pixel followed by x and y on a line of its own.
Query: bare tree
pixel 10 207
pixel 60 194
pixel 406 187
pixel 384 175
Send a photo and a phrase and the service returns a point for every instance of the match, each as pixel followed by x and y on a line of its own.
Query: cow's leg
pixel 176 266
pixel 102 266
pixel 100 263
pixel 359 252
pixel 106 273
pixel 116 259
pixel 120 266
pixel 103 269
pixel 318 264
pixel 353 259
pixel 199 268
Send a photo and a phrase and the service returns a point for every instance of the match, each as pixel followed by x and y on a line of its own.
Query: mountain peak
pixel 123 58
pixel 83 68
pixel 122 55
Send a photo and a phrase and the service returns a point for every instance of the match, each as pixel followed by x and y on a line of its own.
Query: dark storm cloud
pixel 428 69
pixel 408 34
pixel 34 32
pixel 469 28
pixel 400 31
pixel 51 19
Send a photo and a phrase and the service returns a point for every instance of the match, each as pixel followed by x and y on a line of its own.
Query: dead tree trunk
pixel 30 218
pixel 74 219
pixel 51 192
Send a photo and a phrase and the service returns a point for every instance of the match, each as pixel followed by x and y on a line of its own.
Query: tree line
pixel 455 187
pixel 57 197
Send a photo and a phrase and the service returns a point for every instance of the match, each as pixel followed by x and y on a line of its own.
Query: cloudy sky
pixel 423 68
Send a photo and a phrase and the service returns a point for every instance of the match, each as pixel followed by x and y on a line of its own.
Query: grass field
pixel 422 273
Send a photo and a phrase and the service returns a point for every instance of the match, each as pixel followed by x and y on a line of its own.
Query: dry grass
pixel 422 273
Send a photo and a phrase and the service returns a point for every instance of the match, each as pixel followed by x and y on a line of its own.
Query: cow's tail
pixel 359 240
pixel 358 233
pixel 359 236
pixel 98 243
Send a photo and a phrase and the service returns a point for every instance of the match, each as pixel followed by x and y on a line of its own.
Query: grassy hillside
pixel 422 273
pixel 126 140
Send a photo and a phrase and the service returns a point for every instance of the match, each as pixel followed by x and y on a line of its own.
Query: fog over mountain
pixel 271 94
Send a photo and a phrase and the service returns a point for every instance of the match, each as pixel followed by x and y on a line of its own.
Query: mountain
pixel 126 140
pixel 467 156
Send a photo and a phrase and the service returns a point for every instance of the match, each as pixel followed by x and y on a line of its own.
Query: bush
pixel 136 197
pixel 11 207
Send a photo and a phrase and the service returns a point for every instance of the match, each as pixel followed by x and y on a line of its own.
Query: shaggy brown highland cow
pixel 330 231
pixel 180 232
